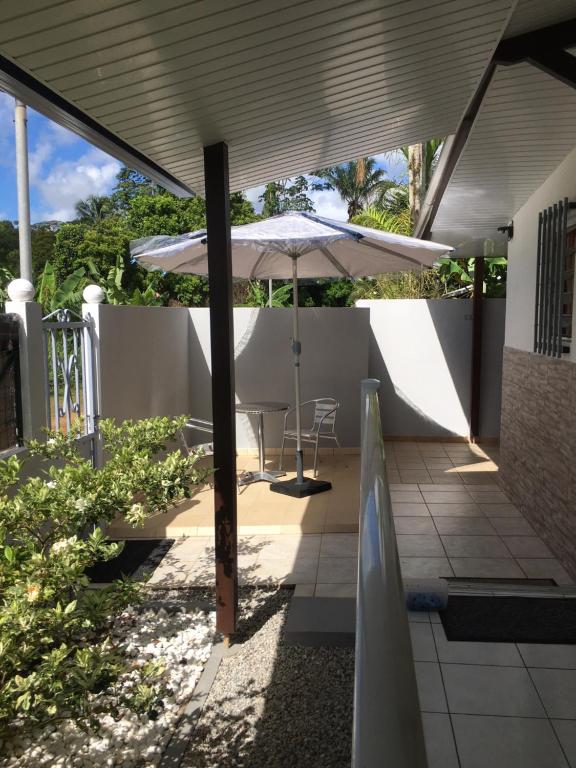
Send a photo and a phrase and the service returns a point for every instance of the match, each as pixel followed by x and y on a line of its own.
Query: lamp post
pixel 22 181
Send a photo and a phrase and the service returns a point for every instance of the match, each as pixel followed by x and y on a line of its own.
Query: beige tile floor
pixel 502 705
pixel 452 519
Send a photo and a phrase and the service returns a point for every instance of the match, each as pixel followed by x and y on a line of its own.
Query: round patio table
pixel 259 409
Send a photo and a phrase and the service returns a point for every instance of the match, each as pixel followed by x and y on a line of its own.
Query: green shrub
pixel 56 646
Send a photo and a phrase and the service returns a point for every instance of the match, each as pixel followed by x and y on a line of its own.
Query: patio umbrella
pixel 293 245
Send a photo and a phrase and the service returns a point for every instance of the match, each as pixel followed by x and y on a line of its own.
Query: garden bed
pixel 167 643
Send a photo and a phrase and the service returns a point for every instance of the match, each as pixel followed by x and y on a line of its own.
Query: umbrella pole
pixel 300 486
pixel 296 348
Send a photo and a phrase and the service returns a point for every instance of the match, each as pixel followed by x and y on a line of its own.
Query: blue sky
pixel 65 169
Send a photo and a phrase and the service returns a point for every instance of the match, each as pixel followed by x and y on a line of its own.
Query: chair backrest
pixel 325 408
pixel 195 426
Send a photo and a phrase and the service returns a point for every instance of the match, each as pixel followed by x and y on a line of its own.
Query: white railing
pixel 387 722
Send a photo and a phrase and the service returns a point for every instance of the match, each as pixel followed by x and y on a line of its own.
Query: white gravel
pixel 180 638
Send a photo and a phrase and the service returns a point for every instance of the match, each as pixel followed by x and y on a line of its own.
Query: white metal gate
pixel 70 374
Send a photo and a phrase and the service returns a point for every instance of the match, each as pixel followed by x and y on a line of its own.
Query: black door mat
pixel 510 619
pixel 138 554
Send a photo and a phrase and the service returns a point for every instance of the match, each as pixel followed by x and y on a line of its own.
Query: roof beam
pixel 545 49
pixel 23 86
pixel 449 156
pixel 559 64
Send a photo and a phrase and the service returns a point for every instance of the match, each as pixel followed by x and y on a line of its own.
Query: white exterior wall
pixel 143 357
pixel 522 256
pixel 156 361
pixel 421 352
pixel 333 363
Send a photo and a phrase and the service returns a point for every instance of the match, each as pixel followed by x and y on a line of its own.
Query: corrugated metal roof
pixel 290 86
pixel 524 129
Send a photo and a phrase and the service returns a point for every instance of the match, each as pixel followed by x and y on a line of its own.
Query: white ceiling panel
pixel 290 86
pixel 525 128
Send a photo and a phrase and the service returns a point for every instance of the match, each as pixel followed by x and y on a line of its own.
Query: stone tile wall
pixel 538 446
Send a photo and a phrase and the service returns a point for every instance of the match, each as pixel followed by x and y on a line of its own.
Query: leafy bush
pixel 56 647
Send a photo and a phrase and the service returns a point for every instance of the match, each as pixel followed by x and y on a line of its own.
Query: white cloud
pixel 6 129
pixel 394 164
pixel 62 136
pixel 253 194
pixel 66 182
pixel 329 203
pixel 37 159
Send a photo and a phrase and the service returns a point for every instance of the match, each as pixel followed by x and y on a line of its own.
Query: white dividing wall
pixel 421 352
pixel 143 360
pixel 334 361
pixel 156 361
pixel 522 255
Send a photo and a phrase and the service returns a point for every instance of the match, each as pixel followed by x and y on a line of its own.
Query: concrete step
pixel 321 621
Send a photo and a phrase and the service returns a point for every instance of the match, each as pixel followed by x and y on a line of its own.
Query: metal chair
pixel 197 425
pixel 323 426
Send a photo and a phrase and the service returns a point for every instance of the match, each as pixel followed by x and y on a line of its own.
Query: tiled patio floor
pixel 451 520
pixel 501 705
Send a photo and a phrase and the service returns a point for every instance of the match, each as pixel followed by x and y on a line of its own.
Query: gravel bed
pixel 176 634
pixel 273 705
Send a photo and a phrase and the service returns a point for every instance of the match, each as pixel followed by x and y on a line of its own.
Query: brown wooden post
pixel 477 305
pixel 223 414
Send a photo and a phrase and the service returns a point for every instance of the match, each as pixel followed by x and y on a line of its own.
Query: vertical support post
pixel 92 309
pixel 270 292
pixel 475 392
pixel 31 364
pixel 22 182
pixel 223 412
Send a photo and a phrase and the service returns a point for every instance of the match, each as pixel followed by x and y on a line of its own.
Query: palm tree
pixel 378 218
pixel 357 182
pixel 421 160
pixel 94 209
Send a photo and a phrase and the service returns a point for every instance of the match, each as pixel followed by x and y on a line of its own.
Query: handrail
pixel 387 721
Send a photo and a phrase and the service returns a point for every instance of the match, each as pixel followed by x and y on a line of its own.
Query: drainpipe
pixel 22 181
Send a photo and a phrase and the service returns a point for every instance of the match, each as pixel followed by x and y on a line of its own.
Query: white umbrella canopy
pixel 294 245
pixel 259 250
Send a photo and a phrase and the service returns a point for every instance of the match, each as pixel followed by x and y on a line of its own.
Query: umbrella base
pixel 307 487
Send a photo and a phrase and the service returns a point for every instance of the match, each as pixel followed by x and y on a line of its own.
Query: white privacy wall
pixel 143 360
pixel 333 363
pixel 522 255
pixel 421 352
pixel 155 361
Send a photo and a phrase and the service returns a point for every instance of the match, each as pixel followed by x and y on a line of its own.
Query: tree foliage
pixel 357 182
pixel 286 195
pixel 94 209
pixel 382 218
pixel 95 247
